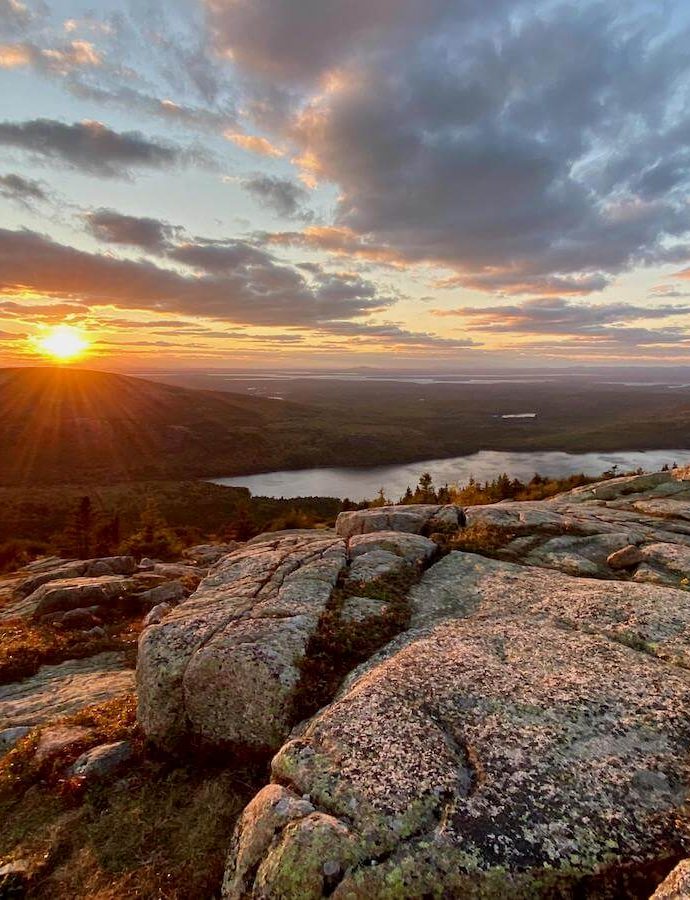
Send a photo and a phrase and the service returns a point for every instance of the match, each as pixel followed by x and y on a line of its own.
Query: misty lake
pixel 364 483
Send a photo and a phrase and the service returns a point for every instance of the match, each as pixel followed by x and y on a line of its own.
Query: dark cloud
pixel 298 41
pixel 220 257
pixel 519 144
pixel 90 146
pixel 37 311
pixel 580 321
pixel 173 113
pixel 113 227
pixel 23 190
pixel 391 334
pixel 283 196
pixel 260 293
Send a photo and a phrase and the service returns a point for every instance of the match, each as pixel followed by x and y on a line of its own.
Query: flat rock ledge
pixel 64 689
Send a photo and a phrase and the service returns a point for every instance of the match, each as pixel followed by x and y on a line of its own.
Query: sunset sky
pixel 276 183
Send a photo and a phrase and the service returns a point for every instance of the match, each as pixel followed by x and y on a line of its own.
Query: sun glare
pixel 63 343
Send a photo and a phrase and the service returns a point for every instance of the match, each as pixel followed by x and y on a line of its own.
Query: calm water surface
pixel 364 483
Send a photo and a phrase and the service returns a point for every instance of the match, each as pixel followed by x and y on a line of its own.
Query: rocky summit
pixel 485 702
pixel 521 728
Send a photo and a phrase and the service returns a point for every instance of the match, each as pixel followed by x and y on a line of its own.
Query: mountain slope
pixel 71 425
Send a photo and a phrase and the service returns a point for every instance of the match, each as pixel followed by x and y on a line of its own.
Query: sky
pixel 321 183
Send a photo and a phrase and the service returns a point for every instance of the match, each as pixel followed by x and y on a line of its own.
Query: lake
pixel 364 483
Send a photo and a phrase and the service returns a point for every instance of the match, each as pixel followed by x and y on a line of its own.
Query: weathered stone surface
pixel 675 509
pixel 374 565
pixel 655 618
pixel 272 809
pixel 674 558
pixel 178 570
pixel 64 689
pixel 57 738
pixel 578 555
pixel 109 565
pixel 101 761
pixel 412 519
pixel 677 885
pixel 625 558
pixel 81 618
pixel 206 555
pixel 523 771
pixel 224 665
pixel 413 548
pixel 157 614
pixel 10 737
pixel 77 593
pixel 171 592
pixel 308 534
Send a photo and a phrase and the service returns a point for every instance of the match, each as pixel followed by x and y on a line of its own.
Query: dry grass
pixel 480 537
pixel 26 646
pixel 159 829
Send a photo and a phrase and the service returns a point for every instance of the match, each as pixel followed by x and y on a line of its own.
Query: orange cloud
pixel 253 143
pixel 338 240
pixel 74 55
pixel 12 56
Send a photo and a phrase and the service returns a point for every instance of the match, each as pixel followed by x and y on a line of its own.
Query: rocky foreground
pixel 508 722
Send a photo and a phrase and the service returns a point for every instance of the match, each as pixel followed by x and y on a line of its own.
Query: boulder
pixel 157 614
pixel 412 519
pixel 101 761
pixel 224 666
pixel 625 558
pixel 77 593
pixel 171 593
pixel 413 548
pixel 523 773
pixel 108 565
pixel 674 558
pixel 80 618
pixel 677 885
pixel 528 736
pixel 375 565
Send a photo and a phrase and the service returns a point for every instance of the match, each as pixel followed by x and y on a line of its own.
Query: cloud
pixel 336 240
pixel 527 147
pixel 15 17
pixel 71 55
pixel 595 322
pixel 393 335
pixel 254 144
pixel 283 196
pixel 113 227
pixel 22 190
pixel 90 146
pixel 256 290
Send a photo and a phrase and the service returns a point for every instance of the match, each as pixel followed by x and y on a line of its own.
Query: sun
pixel 63 343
